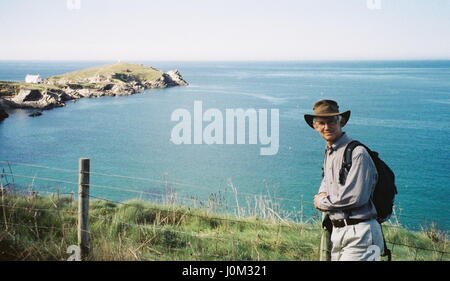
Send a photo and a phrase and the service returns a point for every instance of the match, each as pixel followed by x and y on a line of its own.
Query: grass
pixel 11 88
pixel 42 228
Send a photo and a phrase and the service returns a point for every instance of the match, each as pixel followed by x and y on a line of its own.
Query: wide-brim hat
pixel 326 108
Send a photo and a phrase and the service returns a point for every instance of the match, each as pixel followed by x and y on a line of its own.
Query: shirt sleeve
pixel 322 187
pixel 358 187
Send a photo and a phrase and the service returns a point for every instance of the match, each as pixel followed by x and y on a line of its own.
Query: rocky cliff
pixel 3 113
pixel 110 80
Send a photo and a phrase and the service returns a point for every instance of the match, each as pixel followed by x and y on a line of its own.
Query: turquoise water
pixel 399 108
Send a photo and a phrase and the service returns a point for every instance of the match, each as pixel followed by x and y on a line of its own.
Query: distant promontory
pixel 117 79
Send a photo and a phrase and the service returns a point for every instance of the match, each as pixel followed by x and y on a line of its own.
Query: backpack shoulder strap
pixel 323 163
pixel 347 160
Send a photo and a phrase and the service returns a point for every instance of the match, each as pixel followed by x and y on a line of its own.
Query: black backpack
pixel 385 189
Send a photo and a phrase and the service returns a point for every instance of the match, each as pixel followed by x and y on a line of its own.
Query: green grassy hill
pixel 41 228
pixel 115 71
pixel 11 88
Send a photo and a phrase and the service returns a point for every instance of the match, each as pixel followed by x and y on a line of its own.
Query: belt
pixel 344 222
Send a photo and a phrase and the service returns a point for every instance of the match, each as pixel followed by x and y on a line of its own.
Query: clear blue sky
pixel 224 30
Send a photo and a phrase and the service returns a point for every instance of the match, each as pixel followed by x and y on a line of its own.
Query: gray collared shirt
pixel 355 194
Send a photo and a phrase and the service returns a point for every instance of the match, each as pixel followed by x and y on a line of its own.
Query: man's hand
pixel 317 198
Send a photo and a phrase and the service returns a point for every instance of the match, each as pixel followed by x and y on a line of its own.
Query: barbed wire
pixel 416 247
pixel 204 217
pixel 162 228
pixel 193 186
pixel 30 226
pixel 192 199
pixel 422 217
pixel 161 182
pixel 38 166
pixel 193 234
pixel 134 178
pixel 38 209
pixel 211 202
pixel 142 192
pixel 410 246
pixel 145 192
pixel 39 178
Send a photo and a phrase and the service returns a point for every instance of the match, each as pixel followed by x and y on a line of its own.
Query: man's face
pixel 329 128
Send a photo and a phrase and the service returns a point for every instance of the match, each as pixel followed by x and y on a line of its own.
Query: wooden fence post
pixel 3 193
pixel 83 208
pixel 325 243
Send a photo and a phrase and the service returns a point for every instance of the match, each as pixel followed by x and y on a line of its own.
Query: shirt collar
pixel 341 141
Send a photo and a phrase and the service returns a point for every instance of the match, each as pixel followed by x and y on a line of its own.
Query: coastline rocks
pixel 55 92
pixel 35 114
pixel 3 113
pixel 122 90
pixel 74 86
pixel 65 96
pixel 27 95
pixel 37 99
pixel 171 78
pixel 84 93
pixel 175 79
pixel 96 79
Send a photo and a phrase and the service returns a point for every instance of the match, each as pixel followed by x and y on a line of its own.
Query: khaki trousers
pixel 359 242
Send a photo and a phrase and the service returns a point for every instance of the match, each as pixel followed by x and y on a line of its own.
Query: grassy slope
pixel 8 88
pixel 143 231
pixel 143 73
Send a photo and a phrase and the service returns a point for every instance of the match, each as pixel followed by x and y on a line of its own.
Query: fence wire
pixel 281 223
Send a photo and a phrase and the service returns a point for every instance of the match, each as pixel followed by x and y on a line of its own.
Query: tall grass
pixel 42 228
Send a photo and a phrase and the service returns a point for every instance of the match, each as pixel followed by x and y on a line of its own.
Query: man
pixel 356 234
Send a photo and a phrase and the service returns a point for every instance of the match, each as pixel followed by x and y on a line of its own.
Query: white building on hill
pixel 36 79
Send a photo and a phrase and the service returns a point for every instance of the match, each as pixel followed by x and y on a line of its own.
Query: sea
pixel 400 109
